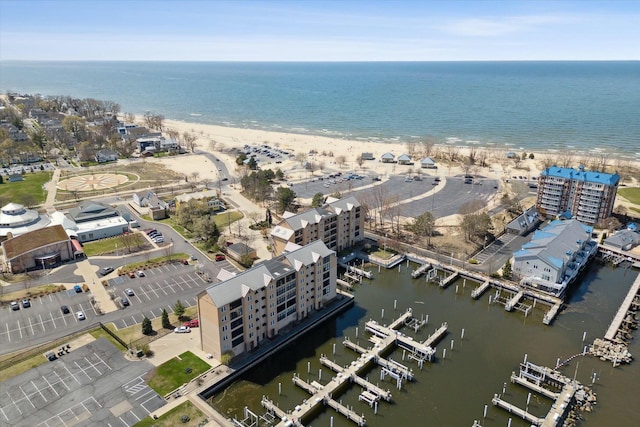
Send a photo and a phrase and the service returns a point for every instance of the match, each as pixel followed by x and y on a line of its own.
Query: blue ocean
pixel 580 106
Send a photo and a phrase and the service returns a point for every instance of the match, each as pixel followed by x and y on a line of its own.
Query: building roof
pixel 106 152
pixel 404 157
pixel 344 204
pixel 15 219
pixel 582 175
pixel 33 240
pixel 555 243
pixel 240 248
pixel 428 161
pixel 91 211
pixel 387 156
pixel 261 275
pixel 623 238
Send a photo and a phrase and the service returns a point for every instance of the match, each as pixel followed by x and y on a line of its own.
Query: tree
pixel 178 309
pixel 147 328
pixel 474 221
pixel 506 270
pixel 189 141
pixel 165 319
pixel 318 200
pixel 75 125
pixel 285 197
pixel 340 160
pixel 424 225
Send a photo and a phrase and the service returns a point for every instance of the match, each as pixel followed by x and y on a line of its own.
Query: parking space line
pixel 83 371
pixel 31 326
pixel 8 334
pixel 74 377
pixel 19 328
pixel 39 391
pixel 134 320
pixel 120 418
pixel 93 307
pixel 149 390
pixel 53 322
pixel 134 414
pixel 3 414
pixel 65 320
pixel 154 291
pixel 91 364
pixel 160 288
pixel 50 298
pixel 144 407
pixel 26 397
pixel 61 381
pixel 50 386
pixel 42 322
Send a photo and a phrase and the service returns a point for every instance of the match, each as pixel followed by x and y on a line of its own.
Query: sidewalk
pixel 98 291
pixel 52 188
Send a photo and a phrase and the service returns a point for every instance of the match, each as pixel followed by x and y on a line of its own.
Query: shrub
pixel 473 261
pixel 147 328
pixel 226 357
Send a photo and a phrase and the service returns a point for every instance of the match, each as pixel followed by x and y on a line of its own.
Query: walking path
pixel 98 291
pixel 52 187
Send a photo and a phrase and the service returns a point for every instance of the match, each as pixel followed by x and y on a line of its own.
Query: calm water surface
pixel 453 391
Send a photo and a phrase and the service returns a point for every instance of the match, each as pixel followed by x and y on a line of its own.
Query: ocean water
pixel 580 106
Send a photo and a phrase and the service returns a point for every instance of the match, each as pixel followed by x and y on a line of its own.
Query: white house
pixel 405 159
pixel 428 163
pixel 388 158
pixel 103 156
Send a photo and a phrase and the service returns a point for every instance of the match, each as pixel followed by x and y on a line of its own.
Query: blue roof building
pixel 587 196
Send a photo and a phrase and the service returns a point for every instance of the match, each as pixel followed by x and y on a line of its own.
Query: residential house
pixel 210 197
pixel 587 195
pixel 104 156
pixel 156 207
pixel 367 156
pixel 623 240
pixel 237 251
pixel 524 223
pixel 243 311
pixel 339 223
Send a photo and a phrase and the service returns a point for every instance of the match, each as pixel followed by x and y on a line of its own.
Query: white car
pixel 141 273
pixel 80 315
pixel 182 330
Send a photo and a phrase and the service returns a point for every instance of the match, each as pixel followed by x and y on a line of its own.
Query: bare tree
pixel 411 148
pixel 452 152
pixel 189 141
pixel 340 160
pixel 427 145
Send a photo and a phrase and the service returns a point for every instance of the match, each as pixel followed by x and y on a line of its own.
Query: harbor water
pixel 453 390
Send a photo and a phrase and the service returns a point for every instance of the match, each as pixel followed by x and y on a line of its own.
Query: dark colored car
pixel 77 288
pixel 220 257
pixel 65 309
pixel 105 270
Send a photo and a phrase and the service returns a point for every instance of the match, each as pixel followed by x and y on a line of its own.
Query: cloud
pixel 500 26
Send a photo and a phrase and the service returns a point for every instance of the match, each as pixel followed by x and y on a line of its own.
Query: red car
pixel 185 262
pixel 192 323
pixel 220 257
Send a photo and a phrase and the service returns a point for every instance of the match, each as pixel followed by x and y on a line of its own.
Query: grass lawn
pixel 224 219
pixel 99 247
pixel 136 265
pixel 171 374
pixel 631 194
pixel 100 333
pixel 381 253
pixel 29 293
pixel 28 192
pixel 134 332
pixel 174 417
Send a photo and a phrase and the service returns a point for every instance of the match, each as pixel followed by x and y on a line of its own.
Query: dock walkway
pixel 477 292
pixel 622 311
pixel 513 409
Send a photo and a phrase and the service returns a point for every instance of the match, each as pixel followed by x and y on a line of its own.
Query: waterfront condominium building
pixel 339 224
pixel 240 312
pixel 554 256
pixel 588 196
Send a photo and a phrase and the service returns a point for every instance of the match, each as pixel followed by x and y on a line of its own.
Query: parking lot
pixel 159 289
pixel 45 316
pixel 91 385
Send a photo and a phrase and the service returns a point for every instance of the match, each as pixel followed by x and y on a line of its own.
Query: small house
pixel 237 251
pixel 104 156
pixel 367 156
pixel 388 158
pixel 405 159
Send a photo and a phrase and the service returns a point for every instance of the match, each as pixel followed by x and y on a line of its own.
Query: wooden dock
pixel 421 270
pixel 477 292
pixel 356 270
pixel 622 311
pixel 372 388
pixel 446 282
pixel 552 313
pixel 513 409
pixel 514 301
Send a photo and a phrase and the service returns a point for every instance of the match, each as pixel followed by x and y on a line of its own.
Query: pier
pixel 356 270
pixel 534 378
pixel 421 270
pixel 551 314
pixel 514 301
pixel 477 292
pixel 369 387
pixel 446 282
pixel 620 316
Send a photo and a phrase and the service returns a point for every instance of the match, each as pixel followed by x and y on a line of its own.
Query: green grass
pixel 180 229
pixel 223 220
pixel 135 265
pixel 171 374
pixel 99 247
pixel 631 194
pixel 100 333
pixel 381 253
pixel 173 417
pixel 28 192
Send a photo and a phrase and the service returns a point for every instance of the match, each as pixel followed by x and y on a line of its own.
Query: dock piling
pixel 462 334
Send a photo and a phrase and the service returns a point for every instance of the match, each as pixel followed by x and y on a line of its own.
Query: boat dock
pixel 369 387
pixel 623 311
pixel 356 270
pixel 534 377
pixel 421 270
pixel 447 281
pixel 477 292
pixel 551 314
pixel 514 301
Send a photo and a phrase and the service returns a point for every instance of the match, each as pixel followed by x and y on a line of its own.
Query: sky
pixel 316 30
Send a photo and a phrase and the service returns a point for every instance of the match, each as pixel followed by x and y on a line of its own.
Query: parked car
pixel 151 230
pixel 105 270
pixel 220 257
pixel 80 315
pixel 64 309
pixel 15 306
pixel 26 303
pixel 124 301
pixel 185 261
pixel 141 273
pixel 132 274
pixel 77 288
pixel 129 292
pixel 182 330
pixel 194 323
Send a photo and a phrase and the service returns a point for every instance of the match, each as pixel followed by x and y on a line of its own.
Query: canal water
pixel 454 389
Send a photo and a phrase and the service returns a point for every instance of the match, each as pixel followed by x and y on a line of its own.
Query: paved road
pixel 91 385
